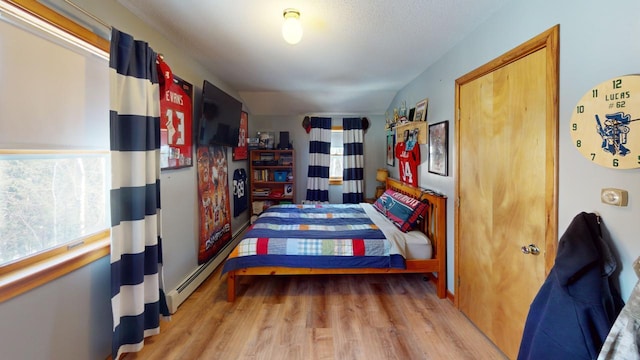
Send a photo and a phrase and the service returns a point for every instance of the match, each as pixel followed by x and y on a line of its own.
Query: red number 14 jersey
pixel 409 161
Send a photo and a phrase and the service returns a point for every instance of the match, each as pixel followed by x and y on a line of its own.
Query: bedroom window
pixel 336 155
pixel 54 147
pixel 49 201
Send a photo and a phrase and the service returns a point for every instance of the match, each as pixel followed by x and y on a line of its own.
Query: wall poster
pixel 213 201
pixel 176 144
pixel 439 148
pixel 240 152
pixel 391 148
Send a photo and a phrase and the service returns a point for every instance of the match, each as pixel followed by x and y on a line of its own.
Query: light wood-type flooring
pixel 370 317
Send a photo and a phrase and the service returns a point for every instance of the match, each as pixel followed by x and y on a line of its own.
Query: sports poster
pixel 213 201
pixel 240 151
pixel 176 144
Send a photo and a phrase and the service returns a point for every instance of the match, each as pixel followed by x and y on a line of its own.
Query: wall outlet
pixel 636 267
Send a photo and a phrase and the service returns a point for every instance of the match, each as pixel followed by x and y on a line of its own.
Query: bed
pixel 362 241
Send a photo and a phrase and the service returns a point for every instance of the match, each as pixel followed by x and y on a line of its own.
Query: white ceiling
pixel 353 58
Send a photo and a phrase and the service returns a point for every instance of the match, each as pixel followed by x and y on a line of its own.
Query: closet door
pixel 507 155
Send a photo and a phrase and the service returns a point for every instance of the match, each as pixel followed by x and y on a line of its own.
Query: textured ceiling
pixel 353 58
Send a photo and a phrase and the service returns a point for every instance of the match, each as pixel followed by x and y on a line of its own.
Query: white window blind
pixel 54 95
pixel 54 139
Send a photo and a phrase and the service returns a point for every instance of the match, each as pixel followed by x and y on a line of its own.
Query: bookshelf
pixel 272 182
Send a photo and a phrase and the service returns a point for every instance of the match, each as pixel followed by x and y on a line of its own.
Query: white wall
pixel 598 41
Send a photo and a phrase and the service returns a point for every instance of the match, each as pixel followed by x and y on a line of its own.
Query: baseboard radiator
pixel 199 275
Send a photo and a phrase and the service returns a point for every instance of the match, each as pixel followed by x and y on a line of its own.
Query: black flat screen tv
pixel 220 120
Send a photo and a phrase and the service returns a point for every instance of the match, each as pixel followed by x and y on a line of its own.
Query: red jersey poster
pixel 213 201
pixel 176 145
pixel 241 151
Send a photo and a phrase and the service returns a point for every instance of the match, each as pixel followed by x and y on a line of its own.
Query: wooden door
pixel 506 187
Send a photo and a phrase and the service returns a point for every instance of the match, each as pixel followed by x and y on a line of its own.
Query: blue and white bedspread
pixel 315 236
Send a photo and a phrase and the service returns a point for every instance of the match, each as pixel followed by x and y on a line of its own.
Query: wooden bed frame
pixel 434 225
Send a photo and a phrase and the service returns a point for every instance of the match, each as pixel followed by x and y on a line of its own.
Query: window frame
pixel 336 180
pixel 30 272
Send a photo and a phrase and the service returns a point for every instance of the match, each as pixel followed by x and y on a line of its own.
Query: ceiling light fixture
pixel 292 28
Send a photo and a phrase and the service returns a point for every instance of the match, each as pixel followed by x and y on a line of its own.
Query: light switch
pixel 617 197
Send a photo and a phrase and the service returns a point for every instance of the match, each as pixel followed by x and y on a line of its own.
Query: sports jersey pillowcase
pixel 404 211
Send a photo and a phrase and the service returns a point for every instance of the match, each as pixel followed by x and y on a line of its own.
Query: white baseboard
pixel 178 295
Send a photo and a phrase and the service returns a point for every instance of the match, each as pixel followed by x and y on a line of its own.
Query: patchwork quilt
pixel 314 236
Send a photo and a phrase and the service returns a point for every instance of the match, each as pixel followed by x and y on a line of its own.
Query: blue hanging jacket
pixel 577 305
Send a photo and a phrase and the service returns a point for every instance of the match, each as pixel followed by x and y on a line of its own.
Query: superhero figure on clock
pixel 614 132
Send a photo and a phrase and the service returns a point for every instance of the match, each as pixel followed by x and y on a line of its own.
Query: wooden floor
pixel 318 317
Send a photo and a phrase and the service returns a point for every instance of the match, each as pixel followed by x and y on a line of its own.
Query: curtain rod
pixel 95 18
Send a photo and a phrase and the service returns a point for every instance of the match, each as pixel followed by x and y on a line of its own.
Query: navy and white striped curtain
pixel 353 161
pixel 137 295
pixel 319 160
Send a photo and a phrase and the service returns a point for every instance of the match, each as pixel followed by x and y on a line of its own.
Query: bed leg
pixel 231 286
pixel 441 288
pixel 441 284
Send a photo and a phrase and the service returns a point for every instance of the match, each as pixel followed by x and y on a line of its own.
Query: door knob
pixel 530 249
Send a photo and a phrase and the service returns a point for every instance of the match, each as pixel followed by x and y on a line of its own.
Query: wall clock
pixel 605 125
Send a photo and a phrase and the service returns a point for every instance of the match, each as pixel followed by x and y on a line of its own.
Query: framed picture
pixel 241 151
pixel 176 111
pixel 391 149
pixel 288 190
pixel 267 140
pixel 439 148
pixel 412 114
pixel 421 110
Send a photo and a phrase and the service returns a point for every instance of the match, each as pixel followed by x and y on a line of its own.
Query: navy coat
pixel 577 305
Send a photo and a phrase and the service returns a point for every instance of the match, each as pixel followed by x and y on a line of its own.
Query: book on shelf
pixel 286 160
pixel 267 156
pixel 261 175
pixel 261 192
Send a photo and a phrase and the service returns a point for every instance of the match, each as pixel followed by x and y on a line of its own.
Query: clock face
pixel 605 125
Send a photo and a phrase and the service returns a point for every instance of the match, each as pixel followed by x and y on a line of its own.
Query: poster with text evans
pixel 176 140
